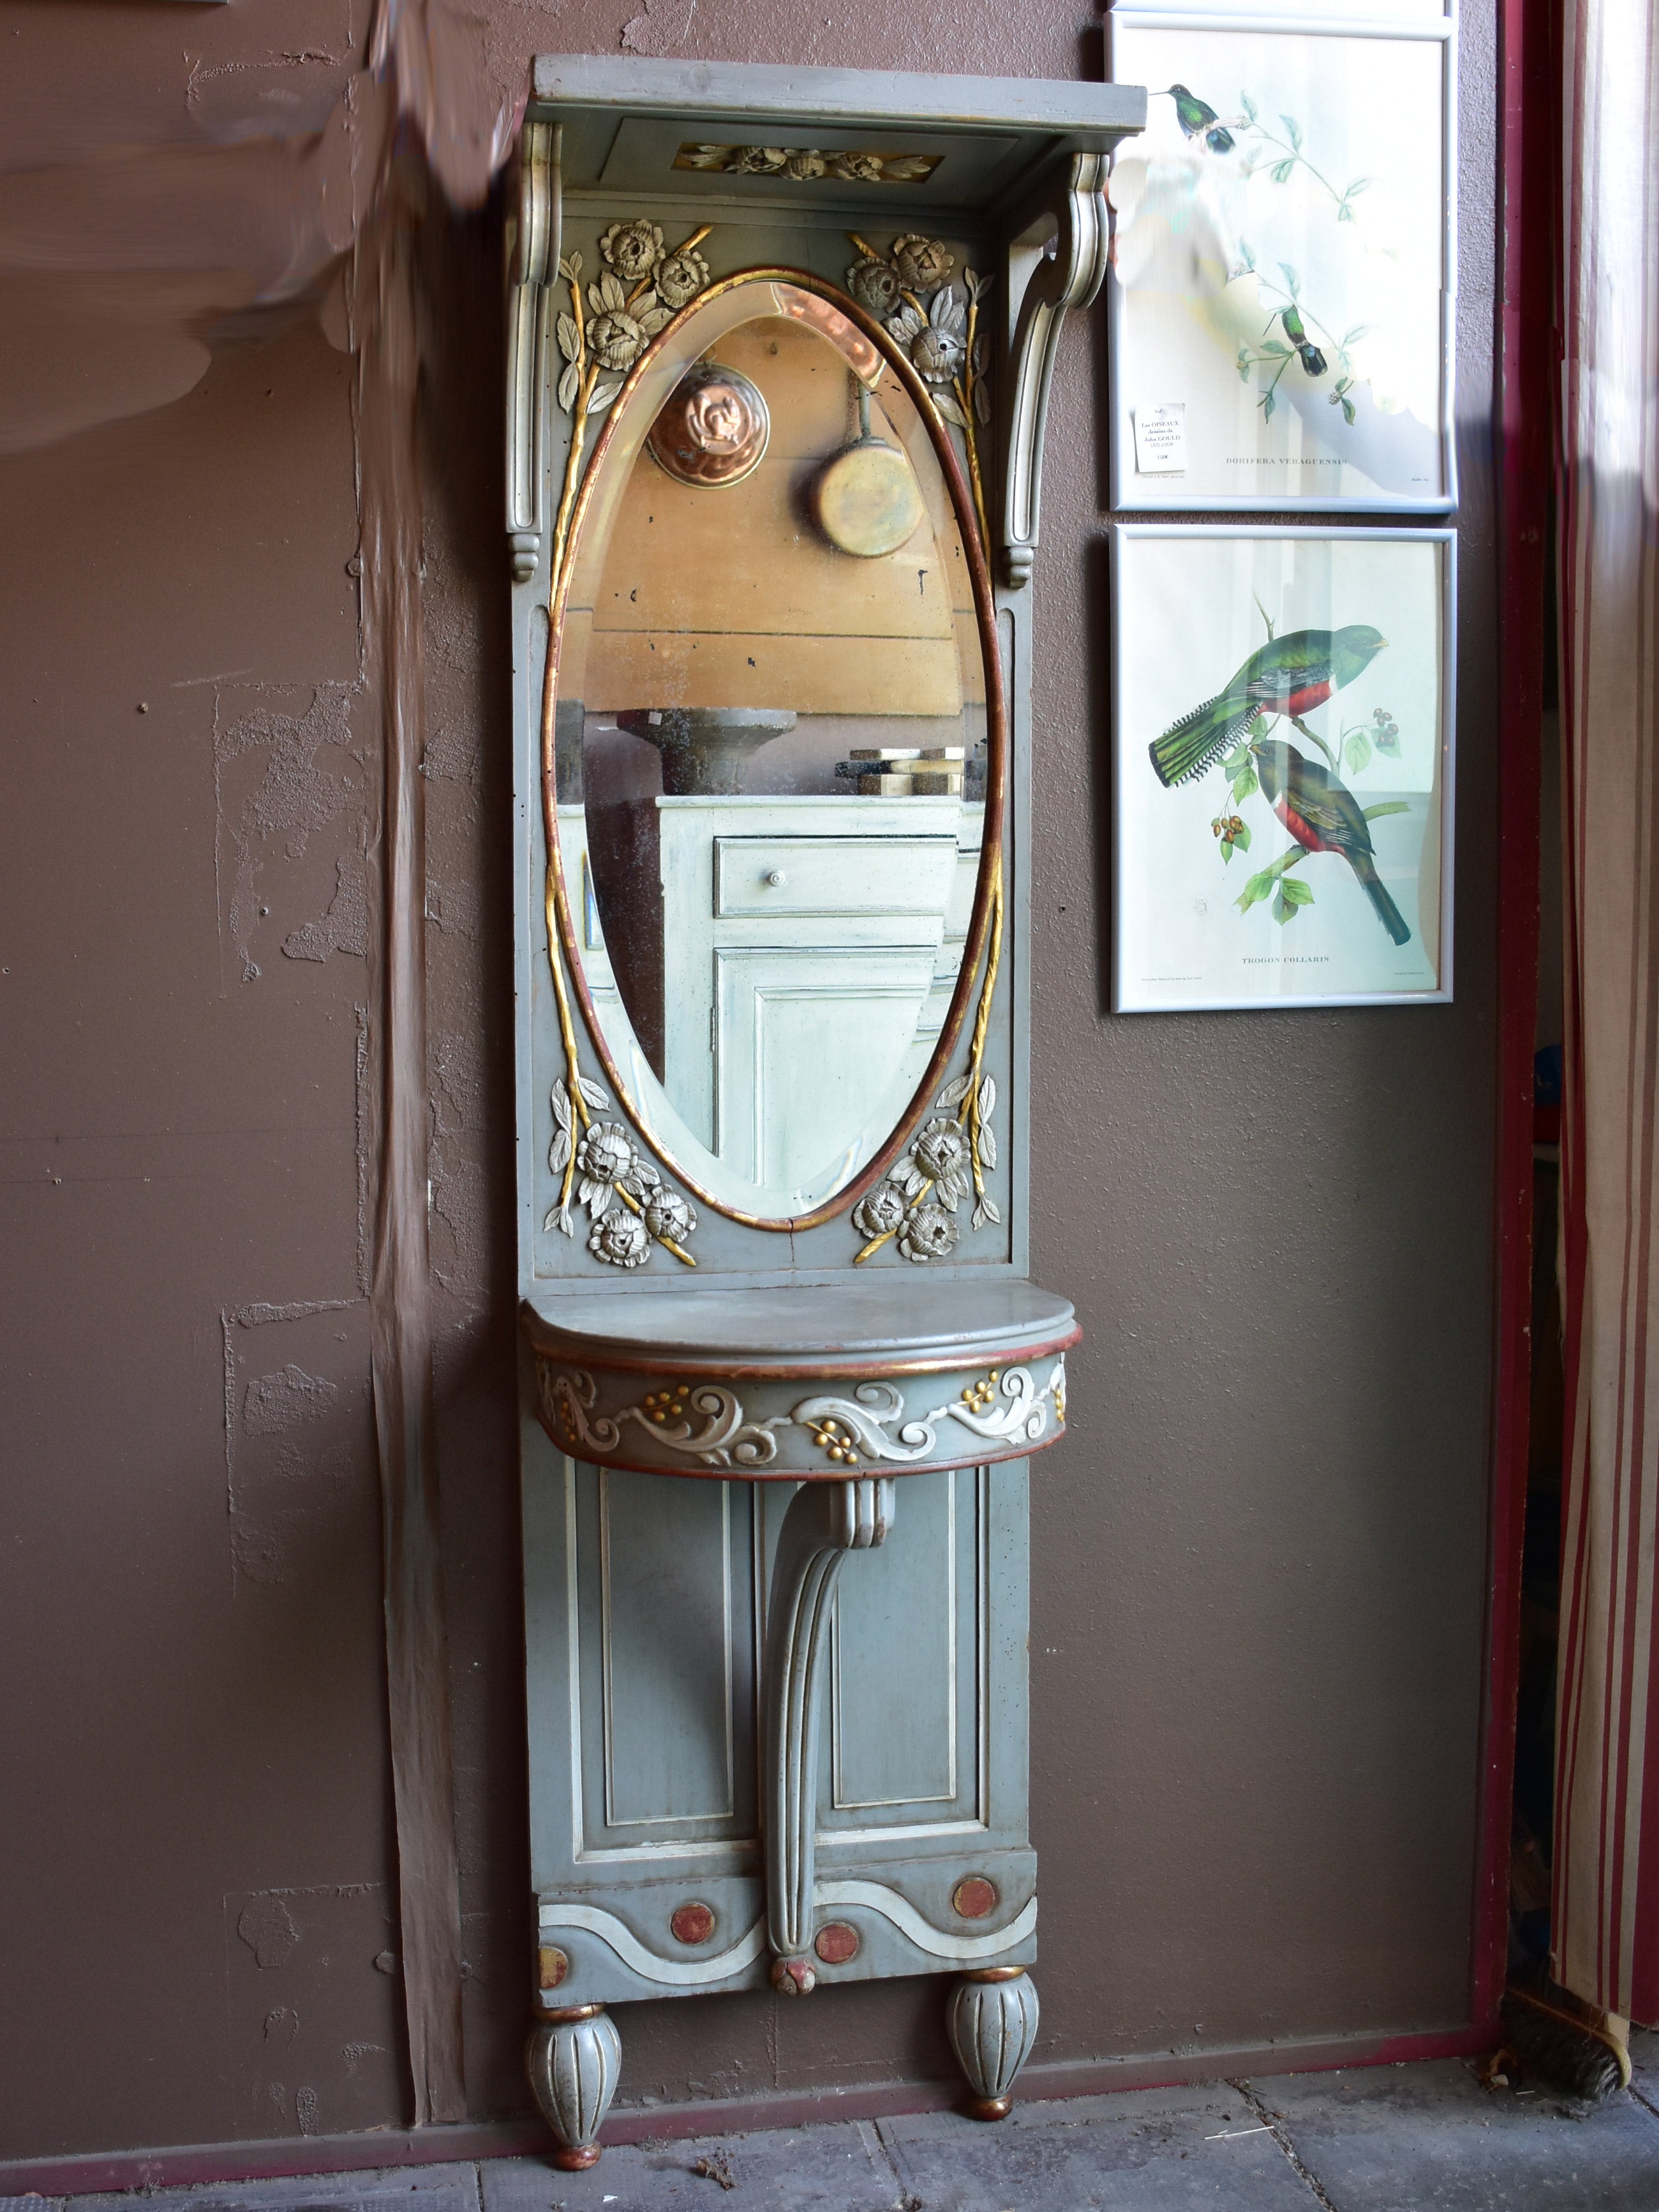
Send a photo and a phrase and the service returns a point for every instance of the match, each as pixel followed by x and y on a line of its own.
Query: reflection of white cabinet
pixel 585 913
pixel 811 947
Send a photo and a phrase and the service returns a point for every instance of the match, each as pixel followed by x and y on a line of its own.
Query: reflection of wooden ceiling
pixel 731 597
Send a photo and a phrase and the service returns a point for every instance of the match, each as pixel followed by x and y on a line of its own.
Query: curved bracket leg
pixel 1069 277
pixel 535 265
pixel 992 2018
pixel 824 1522
pixel 572 2059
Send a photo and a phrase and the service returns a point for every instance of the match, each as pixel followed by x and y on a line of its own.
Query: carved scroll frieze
pixel 1005 1412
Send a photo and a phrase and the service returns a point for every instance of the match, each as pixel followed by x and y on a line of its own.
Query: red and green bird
pixel 1323 816
pixel 1289 675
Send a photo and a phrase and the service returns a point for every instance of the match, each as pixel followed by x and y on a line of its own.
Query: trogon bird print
pixel 1290 676
pixel 1323 816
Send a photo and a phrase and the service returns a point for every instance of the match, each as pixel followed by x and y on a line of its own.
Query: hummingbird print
pixel 1290 675
pixel 1196 116
pixel 1296 330
pixel 1323 816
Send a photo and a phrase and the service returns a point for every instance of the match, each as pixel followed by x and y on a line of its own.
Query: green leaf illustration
pixel 1294 890
pixel 1292 130
pixel 1389 806
pixel 1239 757
pixel 1267 405
pixel 1244 786
pixel 1274 347
pixel 1259 887
pixel 1358 753
pixel 1226 849
pixel 1280 172
pixel 1359 185
pixel 1242 836
pixel 1249 106
pixel 1347 412
pixel 1291 279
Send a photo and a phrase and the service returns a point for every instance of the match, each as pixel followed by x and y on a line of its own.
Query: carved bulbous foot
pixel 992 2018
pixel 793 1978
pixel 572 2059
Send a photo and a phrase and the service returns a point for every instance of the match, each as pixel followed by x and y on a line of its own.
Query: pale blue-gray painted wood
pixel 647 1596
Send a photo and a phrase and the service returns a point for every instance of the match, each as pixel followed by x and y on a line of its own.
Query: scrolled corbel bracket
pixel 825 1522
pixel 535 262
pixel 1068 271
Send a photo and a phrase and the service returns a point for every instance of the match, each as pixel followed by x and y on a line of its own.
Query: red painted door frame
pixel 1528 194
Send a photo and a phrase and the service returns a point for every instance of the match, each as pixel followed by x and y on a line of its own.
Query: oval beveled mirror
pixel 775 727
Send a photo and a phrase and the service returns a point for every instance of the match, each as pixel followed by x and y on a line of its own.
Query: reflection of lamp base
pixel 705 749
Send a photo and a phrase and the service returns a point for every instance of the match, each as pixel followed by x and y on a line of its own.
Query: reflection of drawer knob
pixel 776 878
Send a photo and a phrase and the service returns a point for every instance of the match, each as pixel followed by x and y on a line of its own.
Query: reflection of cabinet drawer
pixel 840 876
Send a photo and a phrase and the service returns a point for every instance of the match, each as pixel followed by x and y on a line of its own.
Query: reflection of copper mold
pixel 712 429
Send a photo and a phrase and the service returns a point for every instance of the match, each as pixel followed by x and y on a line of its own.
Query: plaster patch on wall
pixel 266 1926
pixel 302 1487
pixel 312 2023
pixel 455 907
pixel 274 1402
pixel 458 1082
pixel 662 32
pixel 279 778
pixel 343 927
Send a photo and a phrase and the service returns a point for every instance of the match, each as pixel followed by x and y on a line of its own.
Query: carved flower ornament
pixel 875 286
pixel 629 1206
pixel 633 249
pixel 620 1239
pixel 605 1156
pixel 681 278
pixel 668 1217
pixel 923 263
pixel 929 1233
pixel 879 1213
pixel 938 340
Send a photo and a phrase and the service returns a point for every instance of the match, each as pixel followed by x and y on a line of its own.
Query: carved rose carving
pixel 879 1212
pixel 616 340
pixel 620 1239
pixel 929 1233
pixel 923 263
pixel 633 249
pixel 669 1217
pixel 681 278
pixel 875 286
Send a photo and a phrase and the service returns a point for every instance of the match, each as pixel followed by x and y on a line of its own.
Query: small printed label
pixel 1161 440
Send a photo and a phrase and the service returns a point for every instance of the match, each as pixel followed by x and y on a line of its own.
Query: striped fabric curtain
pixel 1606 1908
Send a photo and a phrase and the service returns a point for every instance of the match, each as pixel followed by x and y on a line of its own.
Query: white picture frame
pixel 1191 607
pixel 1320 202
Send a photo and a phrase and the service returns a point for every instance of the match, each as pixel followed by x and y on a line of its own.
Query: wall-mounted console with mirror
pixel 780 342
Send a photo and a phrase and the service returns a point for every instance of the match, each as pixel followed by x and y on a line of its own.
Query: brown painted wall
pixel 1259 1559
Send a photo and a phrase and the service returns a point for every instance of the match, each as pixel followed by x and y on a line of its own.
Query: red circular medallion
pixel 974 1897
pixel 693 1923
pixel 837 1943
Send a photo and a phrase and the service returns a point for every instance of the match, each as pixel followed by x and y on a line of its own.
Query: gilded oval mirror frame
pixel 981 933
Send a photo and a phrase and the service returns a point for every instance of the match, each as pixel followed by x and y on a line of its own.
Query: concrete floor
pixel 1423 2138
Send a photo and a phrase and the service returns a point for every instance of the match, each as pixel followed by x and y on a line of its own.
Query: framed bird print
pixel 1282 810
pixel 1282 292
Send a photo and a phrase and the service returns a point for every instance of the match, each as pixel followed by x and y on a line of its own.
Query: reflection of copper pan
pixel 712 429
pixel 863 355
